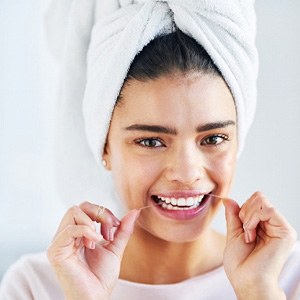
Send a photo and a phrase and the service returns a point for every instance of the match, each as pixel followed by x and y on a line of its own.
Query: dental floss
pixel 148 206
pixel 220 197
pixel 216 196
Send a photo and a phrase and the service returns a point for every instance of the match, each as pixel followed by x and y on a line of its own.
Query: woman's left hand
pixel 259 240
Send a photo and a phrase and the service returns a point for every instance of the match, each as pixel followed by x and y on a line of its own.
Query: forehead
pixel 195 97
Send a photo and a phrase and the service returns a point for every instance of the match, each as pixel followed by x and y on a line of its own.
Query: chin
pixel 175 231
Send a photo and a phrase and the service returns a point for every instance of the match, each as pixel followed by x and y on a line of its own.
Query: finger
pixel 233 222
pixel 75 216
pixel 104 216
pixel 259 211
pixel 248 210
pixel 251 205
pixel 247 204
pixel 273 223
pixel 65 240
pixel 123 233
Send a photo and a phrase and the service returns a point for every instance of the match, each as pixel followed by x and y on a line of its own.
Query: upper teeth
pixel 190 201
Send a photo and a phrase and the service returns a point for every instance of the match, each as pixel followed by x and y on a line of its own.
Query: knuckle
pixel 258 198
pixel 271 210
pixel 84 204
pixel 73 210
pixel 258 194
pixel 261 201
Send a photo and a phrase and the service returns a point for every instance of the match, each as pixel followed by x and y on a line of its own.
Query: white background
pixel 30 210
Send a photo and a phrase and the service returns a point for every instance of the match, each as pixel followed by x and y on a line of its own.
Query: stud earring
pixel 104 162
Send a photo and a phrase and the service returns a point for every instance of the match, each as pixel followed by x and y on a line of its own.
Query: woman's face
pixel 173 141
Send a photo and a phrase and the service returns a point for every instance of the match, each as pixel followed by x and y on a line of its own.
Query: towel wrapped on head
pixel 102 40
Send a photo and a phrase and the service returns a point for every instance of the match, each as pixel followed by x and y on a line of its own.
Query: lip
pixel 184 215
pixel 182 194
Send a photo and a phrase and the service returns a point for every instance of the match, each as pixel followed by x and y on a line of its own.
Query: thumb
pixel 233 222
pixel 124 232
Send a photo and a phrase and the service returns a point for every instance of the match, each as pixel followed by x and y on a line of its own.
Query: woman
pixel 171 145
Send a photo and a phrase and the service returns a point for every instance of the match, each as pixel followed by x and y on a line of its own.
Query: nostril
pixel 186 177
pixel 184 167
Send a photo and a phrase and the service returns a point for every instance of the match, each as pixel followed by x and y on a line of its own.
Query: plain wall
pixel 29 209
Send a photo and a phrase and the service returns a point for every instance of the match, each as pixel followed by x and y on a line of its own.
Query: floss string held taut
pixel 211 195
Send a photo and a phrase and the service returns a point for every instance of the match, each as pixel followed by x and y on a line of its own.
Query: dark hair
pixel 170 53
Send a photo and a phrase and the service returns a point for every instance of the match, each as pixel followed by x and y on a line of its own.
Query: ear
pixel 106 157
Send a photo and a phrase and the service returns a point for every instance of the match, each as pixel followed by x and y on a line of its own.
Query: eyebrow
pixel 215 125
pixel 173 131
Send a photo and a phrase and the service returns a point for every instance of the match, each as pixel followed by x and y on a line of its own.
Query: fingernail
pixel 111 234
pixel 77 242
pixel 246 225
pixel 93 245
pixel 116 223
pixel 247 237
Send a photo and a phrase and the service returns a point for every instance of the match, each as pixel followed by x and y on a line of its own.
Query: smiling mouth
pixel 180 203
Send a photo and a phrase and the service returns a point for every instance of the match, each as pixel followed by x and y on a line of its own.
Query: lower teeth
pixel 171 207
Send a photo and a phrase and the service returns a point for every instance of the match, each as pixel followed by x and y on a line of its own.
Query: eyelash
pixel 204 142
pixel 142 140
pixel 224 138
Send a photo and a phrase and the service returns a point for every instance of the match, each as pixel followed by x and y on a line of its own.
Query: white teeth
pixel 200 198
pixel 180 203
pixel 190 201
pixel 173 201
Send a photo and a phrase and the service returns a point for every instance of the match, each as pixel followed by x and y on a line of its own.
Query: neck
pixel 148 259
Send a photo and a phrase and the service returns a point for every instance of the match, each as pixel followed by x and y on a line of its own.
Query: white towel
pixel 107 34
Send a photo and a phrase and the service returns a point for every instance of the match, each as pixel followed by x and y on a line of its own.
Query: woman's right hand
pixel 88 266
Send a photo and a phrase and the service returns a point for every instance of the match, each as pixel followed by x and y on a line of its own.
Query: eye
pixel 150 143
pixel 215 139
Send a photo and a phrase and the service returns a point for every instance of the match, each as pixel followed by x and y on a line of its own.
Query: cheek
pixel 134 176
pixel 222 169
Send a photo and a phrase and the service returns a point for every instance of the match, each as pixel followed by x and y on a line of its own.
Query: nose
pixel 185 165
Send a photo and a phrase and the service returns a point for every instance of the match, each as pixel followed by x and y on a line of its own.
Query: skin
pixel 143 163
pixel 178 162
